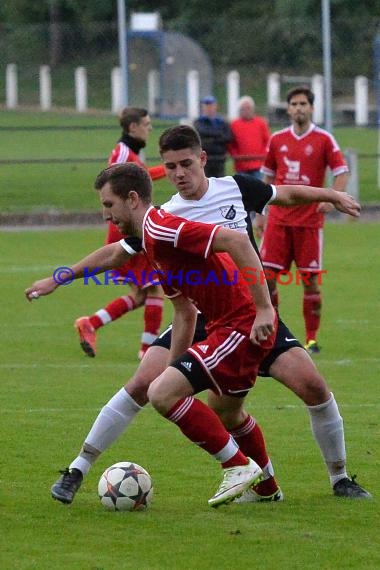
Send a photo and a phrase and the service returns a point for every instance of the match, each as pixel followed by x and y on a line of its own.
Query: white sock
pixel 111 422
pixel 268 470
pixel 104 316
pixel 228 451
pixel 327 427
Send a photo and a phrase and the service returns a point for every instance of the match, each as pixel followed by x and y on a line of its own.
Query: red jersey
pixel 123 153
pixel 301 159
pixel 250 138
pixel 181 252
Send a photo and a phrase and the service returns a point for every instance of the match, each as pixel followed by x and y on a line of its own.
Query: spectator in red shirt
pixel 251 135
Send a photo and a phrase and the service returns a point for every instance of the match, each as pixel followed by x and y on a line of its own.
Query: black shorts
pixel 284 341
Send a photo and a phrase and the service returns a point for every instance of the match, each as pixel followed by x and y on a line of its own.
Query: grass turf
pixel 51 393
pixel 68 186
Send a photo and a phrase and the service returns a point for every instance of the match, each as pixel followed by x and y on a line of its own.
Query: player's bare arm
pixel 340 183
pixel 258 224
pixel 184 319
pixel 297 195
pixel 239 247
pixel 107 257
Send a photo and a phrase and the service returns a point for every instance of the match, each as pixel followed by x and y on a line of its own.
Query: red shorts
pixel 230 360
pixel 283 244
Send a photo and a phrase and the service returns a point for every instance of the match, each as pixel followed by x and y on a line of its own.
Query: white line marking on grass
pixel 34 324
pixel 346 361
pixel 36 365
pixel 97 364
pixel 70 410
pixel 26 268
pixel 61 410
pixel 294 406
pixel 352 322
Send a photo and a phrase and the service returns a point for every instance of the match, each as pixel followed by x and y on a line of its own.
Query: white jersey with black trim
pixel 226 202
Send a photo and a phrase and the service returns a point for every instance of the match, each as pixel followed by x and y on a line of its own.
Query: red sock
pixel 275 298
pixel 203 427
pixel 153 311
pixel 113 311
pixel 312 314
pixel 250 440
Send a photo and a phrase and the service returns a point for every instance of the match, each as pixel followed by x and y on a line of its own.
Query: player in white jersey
pixel 224 201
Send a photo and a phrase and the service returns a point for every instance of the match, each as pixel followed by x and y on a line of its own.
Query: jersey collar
pixel 305 134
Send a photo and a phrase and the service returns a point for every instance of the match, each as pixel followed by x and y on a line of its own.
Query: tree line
pixel 274 33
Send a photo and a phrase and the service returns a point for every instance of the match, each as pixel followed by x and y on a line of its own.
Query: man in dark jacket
pixel 215 134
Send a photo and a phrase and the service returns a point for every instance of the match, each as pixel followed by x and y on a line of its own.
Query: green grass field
pixel 51 393
pixel 68 186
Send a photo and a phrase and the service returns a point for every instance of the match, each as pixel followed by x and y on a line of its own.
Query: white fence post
pixel 317 89
pixel 233 94
pixel 11 87
pixel 361 100
pixel 45 88
pixel 352 187
pixel 153 90
pixel 81 89
pixel 192 94
pixel 116 90
pixel 273 89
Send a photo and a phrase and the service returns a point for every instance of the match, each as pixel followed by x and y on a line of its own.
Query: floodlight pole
pixel 123 50
pixel 376 57
pixel 326 42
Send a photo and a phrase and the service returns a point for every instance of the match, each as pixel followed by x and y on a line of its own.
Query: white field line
pixel 352 322
pixel 346 361
pixel 25 268
pixel 97 364
pixel 36 365
pixel 36 325
pixel 278 407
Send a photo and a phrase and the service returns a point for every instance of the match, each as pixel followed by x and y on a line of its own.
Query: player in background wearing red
pixel 251 135
pixel 300 154
pixel 136 125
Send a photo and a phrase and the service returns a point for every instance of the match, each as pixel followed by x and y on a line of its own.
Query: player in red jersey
pixel 300 154
pixel 225 202
pixel 241 321
pixel 136 125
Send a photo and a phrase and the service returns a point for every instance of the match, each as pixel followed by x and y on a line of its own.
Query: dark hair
pixel 178 138
pixel 301 90
pixel 126 177
pixel 131 115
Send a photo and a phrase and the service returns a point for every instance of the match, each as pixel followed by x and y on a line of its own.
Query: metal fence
pixel 254 48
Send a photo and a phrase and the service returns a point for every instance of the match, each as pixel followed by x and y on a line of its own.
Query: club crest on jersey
pixel 228 212
pixel 309 150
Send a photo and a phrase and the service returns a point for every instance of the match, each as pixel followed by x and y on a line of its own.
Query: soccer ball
pixel 125 486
